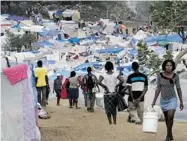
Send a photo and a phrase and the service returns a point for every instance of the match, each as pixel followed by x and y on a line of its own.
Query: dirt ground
pixel 79 125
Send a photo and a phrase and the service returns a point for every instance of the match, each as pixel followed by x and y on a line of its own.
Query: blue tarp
pixel 50 33
pixel 17 26
pixel 59 13
pixel 17 18
pixel 43 43
pixel 74 40
pixel 84 66
pixel 167 38
pixel 133 52
pixel 122 68
pixel 51 61
pixel 134 41
pixel 92 38
pixel 110 50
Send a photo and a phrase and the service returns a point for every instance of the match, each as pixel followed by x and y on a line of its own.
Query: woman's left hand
pixel 181 106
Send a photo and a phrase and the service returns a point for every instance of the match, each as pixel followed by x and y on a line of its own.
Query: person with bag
pixel 90 82
pixel 137 83
pixel 166 83
pixel 109 81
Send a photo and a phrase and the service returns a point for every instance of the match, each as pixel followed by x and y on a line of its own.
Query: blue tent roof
pixel 85 65
pixel 49 33
pixel 17 18
pixel 43 43
pixel 133 52
pixel 167 38
pixel 74 40
pixel 110 50
pixel 59 13
pixel 17 26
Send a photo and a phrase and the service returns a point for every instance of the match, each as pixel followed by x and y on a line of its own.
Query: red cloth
pixel 63 90
pixel 16 73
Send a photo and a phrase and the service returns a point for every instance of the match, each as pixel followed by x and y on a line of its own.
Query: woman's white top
pixel 110 80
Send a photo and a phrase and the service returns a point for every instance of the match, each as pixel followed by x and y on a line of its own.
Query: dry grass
pixel 79 125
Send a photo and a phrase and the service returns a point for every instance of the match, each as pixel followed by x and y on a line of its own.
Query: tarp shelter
pixel 18 108
pixel 33 28
pixel 74 40
pixel 73 14
pixel 49 33
pixel 110 50
pixel 43 43
pixel 17 18
pixel 17 26
pixel 167 38
pixel 59 13
pixel 5 24
pixel 84 66
pixel 133 52
pixel 50 25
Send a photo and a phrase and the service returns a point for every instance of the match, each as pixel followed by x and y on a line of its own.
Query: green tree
pixel 28 39
pixel 154 64
pixel 14 42
pixel 170 15
pixel 168 55
pixel 143 53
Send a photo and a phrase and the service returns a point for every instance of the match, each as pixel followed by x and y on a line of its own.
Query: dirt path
pixel 79 125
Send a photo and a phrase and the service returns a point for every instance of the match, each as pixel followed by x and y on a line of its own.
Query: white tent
pixel 74 14
pixel 18 110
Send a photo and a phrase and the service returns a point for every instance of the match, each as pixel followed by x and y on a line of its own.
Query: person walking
pixel 57 87
pixel 41 82
pixel 166 83
pixel 109 81
pixel 90 81
pixel 137 84
pixel 73 90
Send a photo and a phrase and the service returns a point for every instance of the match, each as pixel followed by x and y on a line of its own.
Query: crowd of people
pixel 117 86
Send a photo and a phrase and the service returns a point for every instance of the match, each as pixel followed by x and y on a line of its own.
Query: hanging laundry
pixel 16 73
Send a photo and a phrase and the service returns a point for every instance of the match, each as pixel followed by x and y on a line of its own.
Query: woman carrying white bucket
pixel 165 84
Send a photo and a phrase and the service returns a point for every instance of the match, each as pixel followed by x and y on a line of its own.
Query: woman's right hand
pixel 181 106
pixel 153 104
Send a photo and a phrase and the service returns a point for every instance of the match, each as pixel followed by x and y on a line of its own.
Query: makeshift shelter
pixel 167 38
pixel 18 110
pixel 43 43
pixel 71 15
pixel 17 18
pixel 110 50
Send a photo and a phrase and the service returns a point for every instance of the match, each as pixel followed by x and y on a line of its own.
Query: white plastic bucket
pixel 150 122
pixel 99 100
pixel 158 110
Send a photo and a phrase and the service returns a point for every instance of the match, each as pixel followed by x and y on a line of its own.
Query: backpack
pixel 90 82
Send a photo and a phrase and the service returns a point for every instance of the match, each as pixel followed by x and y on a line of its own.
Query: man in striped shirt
pixel 137 84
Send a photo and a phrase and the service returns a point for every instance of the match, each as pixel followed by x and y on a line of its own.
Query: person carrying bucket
pixel 137 84
pixel 166 83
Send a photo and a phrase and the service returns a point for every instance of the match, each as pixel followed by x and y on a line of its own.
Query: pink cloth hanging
pixel 63 90
pixel 16 73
